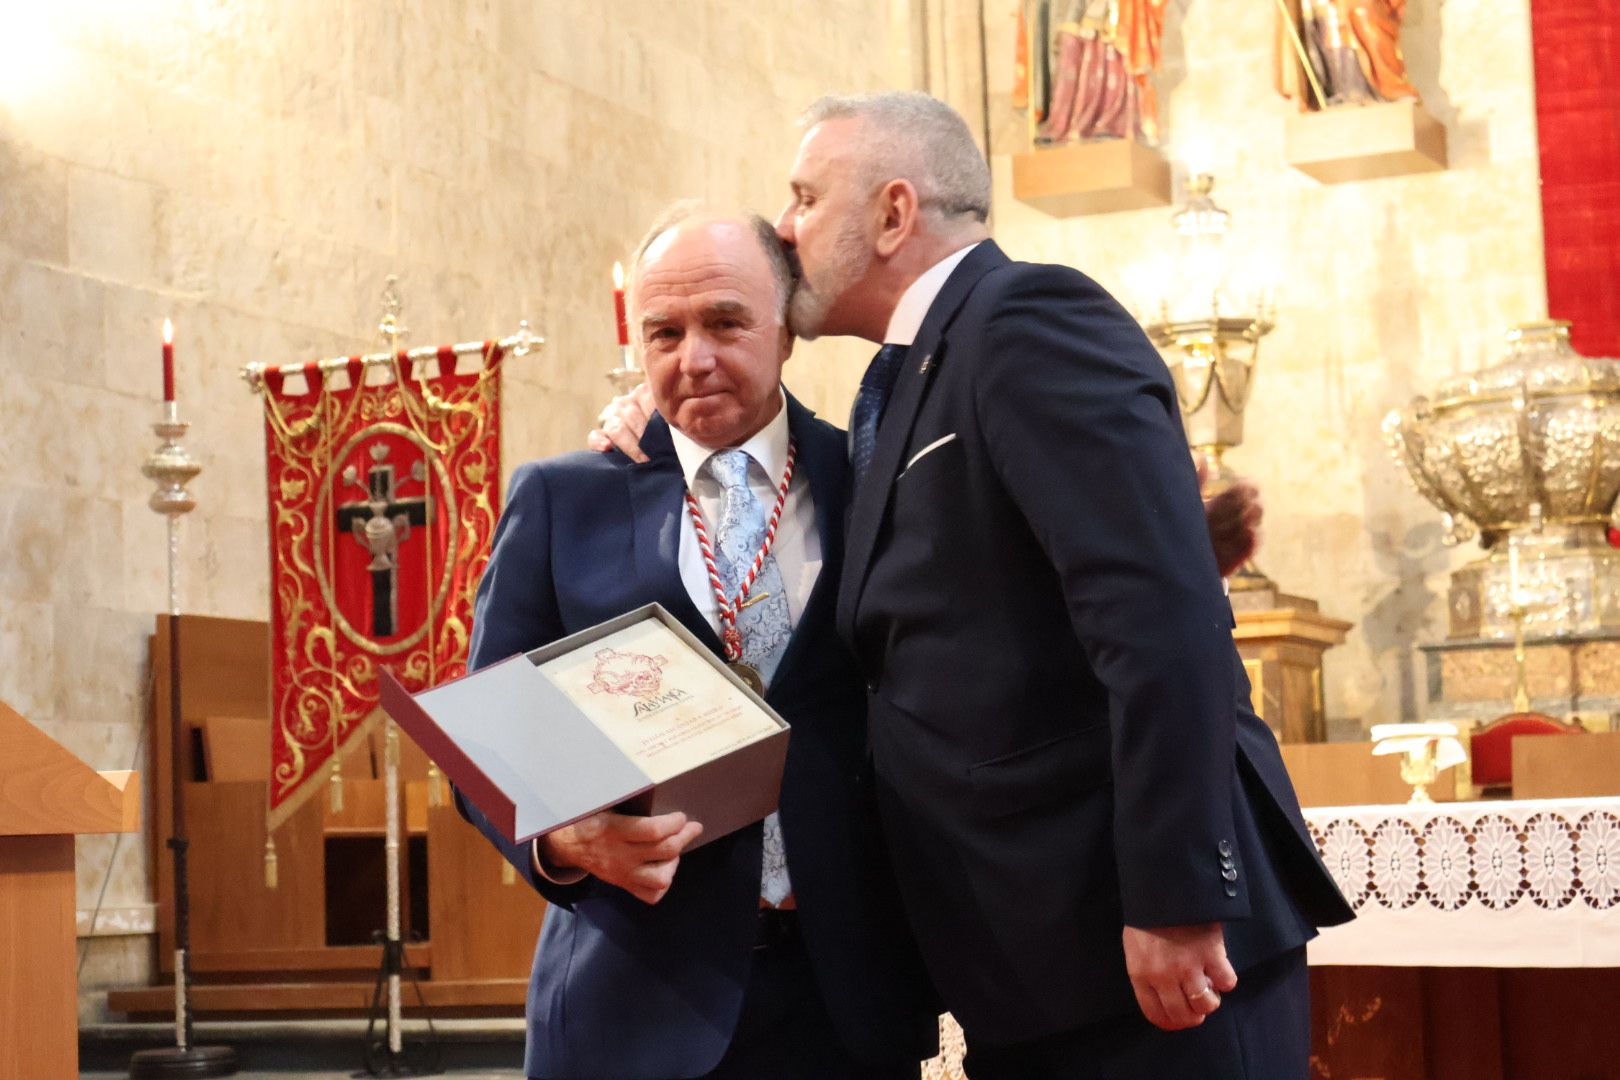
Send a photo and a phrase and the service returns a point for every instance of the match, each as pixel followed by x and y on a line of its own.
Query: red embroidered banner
pixel 1577 55
pixel 384 490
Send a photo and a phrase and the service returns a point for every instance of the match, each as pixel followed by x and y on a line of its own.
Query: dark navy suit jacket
pixel 630 990
pixel 1060 721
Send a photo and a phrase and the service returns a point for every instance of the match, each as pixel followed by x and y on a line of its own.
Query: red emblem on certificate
pixel 629 673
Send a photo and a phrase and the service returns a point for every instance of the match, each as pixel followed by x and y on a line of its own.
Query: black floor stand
pixel 187 1059
pixel 420 1060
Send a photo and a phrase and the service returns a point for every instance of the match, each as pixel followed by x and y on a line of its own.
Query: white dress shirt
pixel 798 546
pixel 919 297
pixel 797 549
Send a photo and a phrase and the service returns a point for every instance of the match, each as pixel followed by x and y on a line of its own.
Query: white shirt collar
pixel 768 448
pixel 915 301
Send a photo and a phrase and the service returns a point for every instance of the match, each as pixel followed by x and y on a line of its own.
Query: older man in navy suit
pixel 779 951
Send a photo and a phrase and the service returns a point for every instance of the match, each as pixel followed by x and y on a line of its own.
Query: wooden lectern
pixel 46 797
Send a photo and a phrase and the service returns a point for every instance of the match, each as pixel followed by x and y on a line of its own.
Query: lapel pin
pixel 922 369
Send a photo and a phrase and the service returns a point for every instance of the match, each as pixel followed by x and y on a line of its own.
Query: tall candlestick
pixel 618 304
pixel 1513 572
pixel 168 360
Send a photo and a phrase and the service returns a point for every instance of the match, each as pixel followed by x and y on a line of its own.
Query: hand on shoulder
pixel 621 422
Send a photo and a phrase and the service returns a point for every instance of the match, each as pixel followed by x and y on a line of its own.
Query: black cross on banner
pixel 380 525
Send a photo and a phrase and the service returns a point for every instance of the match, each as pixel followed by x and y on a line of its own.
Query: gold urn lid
pixel 1532 439
pixel 1541 360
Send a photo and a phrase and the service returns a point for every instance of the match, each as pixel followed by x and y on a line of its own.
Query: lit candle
pixel 168 360
pixel 618 304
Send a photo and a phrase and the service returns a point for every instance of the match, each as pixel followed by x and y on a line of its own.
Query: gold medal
pixel 748 675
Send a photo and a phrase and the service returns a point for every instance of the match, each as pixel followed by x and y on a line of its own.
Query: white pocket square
pixel 925 451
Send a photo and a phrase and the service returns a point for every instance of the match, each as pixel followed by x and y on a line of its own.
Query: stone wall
pixel 1382 288
pixel 254 170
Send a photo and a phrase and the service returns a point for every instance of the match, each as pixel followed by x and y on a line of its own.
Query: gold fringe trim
pixel 272 877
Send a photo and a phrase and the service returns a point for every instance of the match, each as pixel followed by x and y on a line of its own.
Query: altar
pixel 1486 942
pixel 1505 884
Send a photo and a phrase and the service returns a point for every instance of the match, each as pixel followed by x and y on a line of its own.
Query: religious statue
pixel 381 534
pixel 1341 52
pixel 1093 66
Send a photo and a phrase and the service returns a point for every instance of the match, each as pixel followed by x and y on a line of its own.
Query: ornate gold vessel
pixel 1525 453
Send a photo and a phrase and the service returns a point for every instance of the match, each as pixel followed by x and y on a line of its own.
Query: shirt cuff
pixel 555 875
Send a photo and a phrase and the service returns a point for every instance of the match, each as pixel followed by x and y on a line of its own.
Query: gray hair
pixel 907 135
pixel 679 213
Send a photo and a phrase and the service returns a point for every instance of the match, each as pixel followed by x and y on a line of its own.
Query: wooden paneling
pixel 46 795
pixel 1282 654
pixel 1567 767
pixel 47 791
pixel 481 927
pixel 1347 774
pixel 237 748
pixel 225 672
pixel 39 1034
pixel 231 907
pixel 243 931
pixel 283 1000
pixel 341 959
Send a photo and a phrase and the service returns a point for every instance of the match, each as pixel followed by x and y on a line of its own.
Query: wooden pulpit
pixel 1282 649
pixel 47 796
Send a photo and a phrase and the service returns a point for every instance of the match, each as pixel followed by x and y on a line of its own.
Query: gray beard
pixel 812 302
pixel 807 312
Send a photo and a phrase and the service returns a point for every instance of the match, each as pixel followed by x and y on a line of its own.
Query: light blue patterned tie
pixel 764 624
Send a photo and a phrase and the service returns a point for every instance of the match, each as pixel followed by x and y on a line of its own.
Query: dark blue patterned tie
pixel 870 401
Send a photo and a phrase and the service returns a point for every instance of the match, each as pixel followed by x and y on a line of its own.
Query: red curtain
pixel 1577 56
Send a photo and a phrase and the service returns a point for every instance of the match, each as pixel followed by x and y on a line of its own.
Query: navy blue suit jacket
pixel 1060 721
pixel 630 990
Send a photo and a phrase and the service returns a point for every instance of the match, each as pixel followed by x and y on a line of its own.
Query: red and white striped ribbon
pixel 729 634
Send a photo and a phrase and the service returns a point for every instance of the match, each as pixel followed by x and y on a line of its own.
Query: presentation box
pixel 635 714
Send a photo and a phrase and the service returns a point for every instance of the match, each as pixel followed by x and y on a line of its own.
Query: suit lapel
pixel 873 493
pixel 821 456
pixel 658 502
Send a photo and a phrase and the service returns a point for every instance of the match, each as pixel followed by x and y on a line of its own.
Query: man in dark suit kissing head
pixel 1099 848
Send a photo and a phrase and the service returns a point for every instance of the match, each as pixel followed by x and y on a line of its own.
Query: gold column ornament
pixel 1210 340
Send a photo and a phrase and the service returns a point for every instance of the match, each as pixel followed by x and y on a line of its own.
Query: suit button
pixel 1225 849
pixel 1226 862
pixel 1231 890
pixel 1230 873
